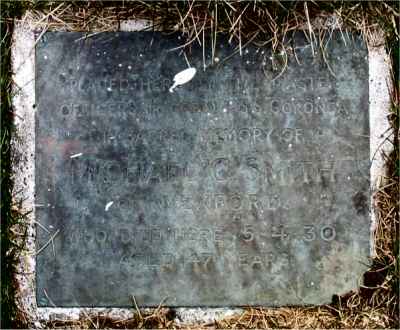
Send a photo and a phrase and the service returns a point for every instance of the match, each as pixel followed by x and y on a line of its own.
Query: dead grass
pixel 376 305
pixel 160 318
pixel 259 22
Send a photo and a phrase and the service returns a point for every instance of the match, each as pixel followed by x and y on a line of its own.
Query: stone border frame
pixel 23 155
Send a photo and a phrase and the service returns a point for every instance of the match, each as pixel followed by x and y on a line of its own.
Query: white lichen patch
pixel 182 77
pixel 76 155
pixel 108 205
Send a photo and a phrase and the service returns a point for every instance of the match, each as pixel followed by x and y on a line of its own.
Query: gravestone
pixel 248 185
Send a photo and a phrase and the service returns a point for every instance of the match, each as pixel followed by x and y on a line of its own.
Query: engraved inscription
pixel 235 189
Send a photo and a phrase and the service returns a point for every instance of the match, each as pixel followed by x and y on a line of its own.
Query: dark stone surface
pixel 246 186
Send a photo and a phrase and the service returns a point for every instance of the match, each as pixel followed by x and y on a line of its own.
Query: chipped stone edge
pixel 23 153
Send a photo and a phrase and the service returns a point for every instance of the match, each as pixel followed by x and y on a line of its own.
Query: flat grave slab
pixel 248 185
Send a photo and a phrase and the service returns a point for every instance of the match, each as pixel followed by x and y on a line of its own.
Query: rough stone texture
pixel 381 134
pixel 23 142
pixel 246 186
pixel 23 157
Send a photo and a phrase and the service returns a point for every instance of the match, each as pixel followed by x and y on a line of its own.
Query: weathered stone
pixel 249 185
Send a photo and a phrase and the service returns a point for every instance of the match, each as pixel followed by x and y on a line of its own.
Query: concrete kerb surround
pixel 23 151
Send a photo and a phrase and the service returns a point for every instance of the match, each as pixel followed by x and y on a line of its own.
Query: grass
pixel 9 248
pixel 376 305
